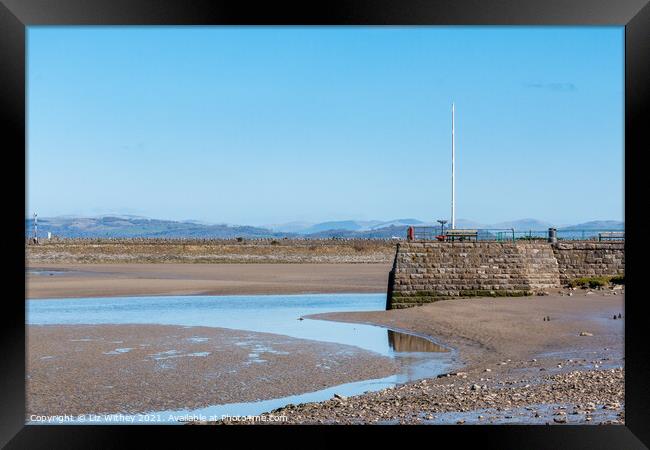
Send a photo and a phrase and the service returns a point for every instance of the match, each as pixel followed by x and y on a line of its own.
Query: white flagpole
pixel 453 172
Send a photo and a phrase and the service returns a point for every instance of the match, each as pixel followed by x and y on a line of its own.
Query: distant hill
pixel 597 225
pixel 340 226
pixel 379 233
pixel 349 225
pixel 397 223
pixel 469 224
pixel 524 225
pixel 290 227
pixel 122 226
pixel 129 227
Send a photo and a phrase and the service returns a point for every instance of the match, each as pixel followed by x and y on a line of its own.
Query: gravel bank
pixel 204 251
pixel 575 397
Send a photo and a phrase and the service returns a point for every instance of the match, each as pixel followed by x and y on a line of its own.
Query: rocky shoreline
pixel 574 394
pixel 554 359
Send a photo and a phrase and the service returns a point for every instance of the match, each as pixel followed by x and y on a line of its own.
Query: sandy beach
pixel 108 369
pixel 517 367
pixel 489 330
pixel 117 279
pixel 554 358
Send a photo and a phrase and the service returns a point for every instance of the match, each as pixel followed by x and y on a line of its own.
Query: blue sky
pixel 261 125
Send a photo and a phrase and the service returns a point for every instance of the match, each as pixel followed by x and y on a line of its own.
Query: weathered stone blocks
pixel 429 271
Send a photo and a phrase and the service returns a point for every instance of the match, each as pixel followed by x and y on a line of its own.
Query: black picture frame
pixel 16 15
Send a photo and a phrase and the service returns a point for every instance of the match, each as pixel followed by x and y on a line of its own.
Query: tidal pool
pixel 417 357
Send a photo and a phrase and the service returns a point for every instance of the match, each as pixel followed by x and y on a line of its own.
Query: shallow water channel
pixel 417 356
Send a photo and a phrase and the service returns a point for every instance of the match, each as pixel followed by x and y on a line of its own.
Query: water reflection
pixel 274 314
pixel 42 272
pixel 401 342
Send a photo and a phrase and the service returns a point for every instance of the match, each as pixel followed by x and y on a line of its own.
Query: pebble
pixel 576 392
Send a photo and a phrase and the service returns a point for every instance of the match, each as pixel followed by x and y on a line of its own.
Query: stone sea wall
pixel 589 259
pixel 428 271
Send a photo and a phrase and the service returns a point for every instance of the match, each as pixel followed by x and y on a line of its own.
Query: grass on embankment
pixel 596 282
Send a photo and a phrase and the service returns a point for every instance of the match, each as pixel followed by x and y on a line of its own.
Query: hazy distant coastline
pixel 124 226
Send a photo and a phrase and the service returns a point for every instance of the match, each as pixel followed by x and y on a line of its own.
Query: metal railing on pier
pixel 425 233
pixel 573 235
pixel 432 233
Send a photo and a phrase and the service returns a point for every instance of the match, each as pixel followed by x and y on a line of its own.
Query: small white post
pixel 453 171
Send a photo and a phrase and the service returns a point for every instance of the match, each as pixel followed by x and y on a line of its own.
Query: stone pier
pixel 428 271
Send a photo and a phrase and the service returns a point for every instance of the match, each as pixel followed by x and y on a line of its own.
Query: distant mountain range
pixel 123 226
pixel 305 228
pixel 597 225
pixel 131 226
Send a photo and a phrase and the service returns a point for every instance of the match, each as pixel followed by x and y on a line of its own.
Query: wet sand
pixel 108 280
pixel 105 369
pixel 517 367
pixel 488 330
